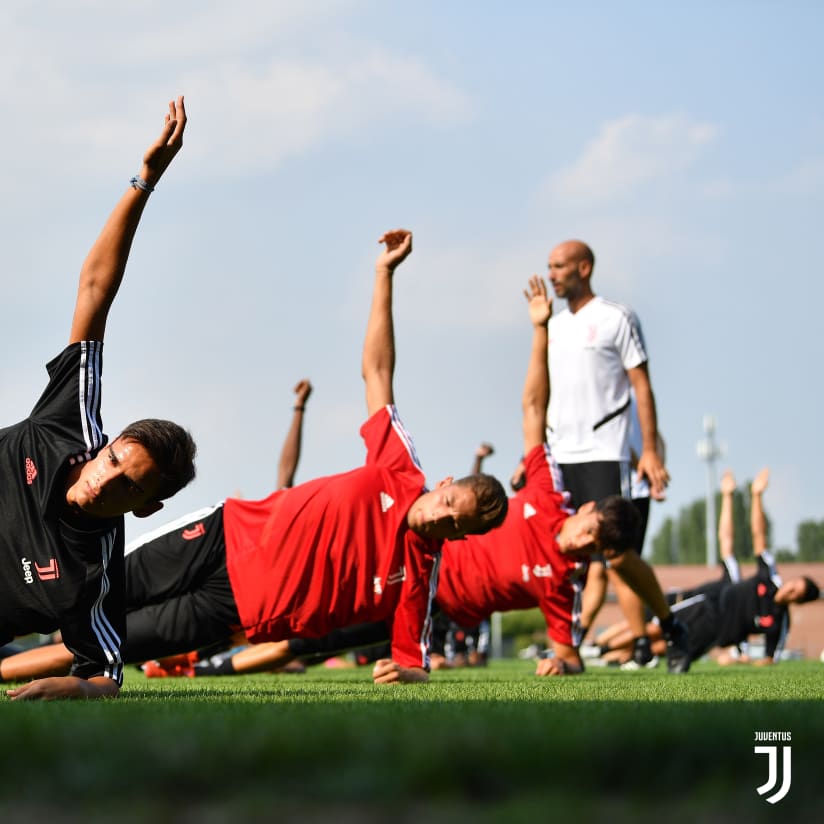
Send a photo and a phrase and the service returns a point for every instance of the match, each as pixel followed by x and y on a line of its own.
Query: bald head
pixel 570 268
pixel 577 250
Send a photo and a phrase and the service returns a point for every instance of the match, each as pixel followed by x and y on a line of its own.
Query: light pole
pixel 708 451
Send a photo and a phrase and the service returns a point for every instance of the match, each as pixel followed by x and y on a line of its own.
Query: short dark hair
pixel 492 500
pixel 811 590
pixel 620 524
pixel 172 448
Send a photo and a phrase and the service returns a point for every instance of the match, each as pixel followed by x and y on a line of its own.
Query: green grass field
pixel 494 744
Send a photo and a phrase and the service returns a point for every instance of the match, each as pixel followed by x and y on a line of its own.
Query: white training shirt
pixel 590 352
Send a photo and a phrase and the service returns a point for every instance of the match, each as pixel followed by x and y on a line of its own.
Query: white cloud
pixel 629 152
pixel 255 117
pixel 264 81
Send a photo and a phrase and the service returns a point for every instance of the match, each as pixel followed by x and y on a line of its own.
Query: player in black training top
pixel 64 489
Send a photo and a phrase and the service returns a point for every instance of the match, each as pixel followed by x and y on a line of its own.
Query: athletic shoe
pixel 632 664
pixel 678 652
pixel 641 652
pixel 589 651
pixel 154 669
pixel 158 669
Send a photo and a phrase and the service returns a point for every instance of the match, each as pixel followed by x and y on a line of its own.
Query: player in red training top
pixel 357 547
pixel 538 557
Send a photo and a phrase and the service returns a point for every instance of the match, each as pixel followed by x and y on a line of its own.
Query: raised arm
pixel 726 524
pixel 650 462
pixel 483 451
pixel 536 386
pixel 290 452
pixel 758 521
pixel 105 264
pixel 378 365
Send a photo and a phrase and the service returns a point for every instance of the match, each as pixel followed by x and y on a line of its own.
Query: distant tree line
pixel 683 540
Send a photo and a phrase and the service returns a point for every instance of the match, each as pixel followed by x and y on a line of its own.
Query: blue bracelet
pixel 138 182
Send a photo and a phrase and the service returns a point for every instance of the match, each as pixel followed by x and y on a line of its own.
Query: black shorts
pixel 595 480
pixel 700 613
pixel 178 595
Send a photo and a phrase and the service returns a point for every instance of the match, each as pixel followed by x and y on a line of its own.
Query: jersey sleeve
pixel 410 625
pixel 558 616
pixel 69 408
pixel 388 444
pixel 629 341
pixel 767 570
pixel 731 570
pixel 542 472
pixel 94 629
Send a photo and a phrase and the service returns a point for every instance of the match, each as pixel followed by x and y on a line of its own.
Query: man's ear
pixel 445 482
pixel 148 509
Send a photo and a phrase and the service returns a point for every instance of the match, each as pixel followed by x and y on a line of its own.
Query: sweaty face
pixel 122 477
pixel 447 512
pixel 564 273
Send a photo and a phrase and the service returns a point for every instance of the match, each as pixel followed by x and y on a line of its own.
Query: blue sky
pixel 682 141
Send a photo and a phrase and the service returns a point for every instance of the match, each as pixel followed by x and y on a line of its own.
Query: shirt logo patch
pixel 31 471
pixel 529 510
pixel 194 532
pixel 542 571
pixel 386 502
pixel 50 572
pixel 27 576
pixel 525 572
pixel 394 578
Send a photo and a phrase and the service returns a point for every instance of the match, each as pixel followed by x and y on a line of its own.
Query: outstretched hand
pixel 398 246
pixel 161 153
pixel 540 306
pixel 484 450
pixel 727 483
pixel 386 671
pixel 302 390
pixel 761 480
